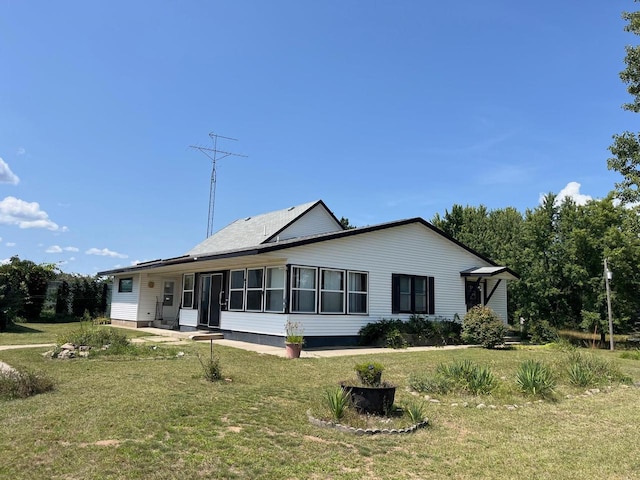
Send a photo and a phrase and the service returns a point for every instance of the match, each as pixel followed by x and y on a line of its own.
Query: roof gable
pixel 302 220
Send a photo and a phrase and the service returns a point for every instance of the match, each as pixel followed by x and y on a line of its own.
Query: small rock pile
pixel 69 350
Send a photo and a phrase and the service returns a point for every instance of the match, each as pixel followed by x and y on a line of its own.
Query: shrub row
pixel 418 330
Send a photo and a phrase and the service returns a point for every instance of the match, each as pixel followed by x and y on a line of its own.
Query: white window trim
pixel 241 290
pixel 325 290
pixel 365 293
pixel 282 288
pixel 254 289
pixel 314 290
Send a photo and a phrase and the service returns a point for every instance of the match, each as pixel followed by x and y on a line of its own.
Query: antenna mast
pixel 214 155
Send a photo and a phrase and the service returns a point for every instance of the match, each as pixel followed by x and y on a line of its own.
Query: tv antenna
pixel 214 154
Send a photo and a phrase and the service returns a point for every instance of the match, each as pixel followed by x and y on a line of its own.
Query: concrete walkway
pixel 173 337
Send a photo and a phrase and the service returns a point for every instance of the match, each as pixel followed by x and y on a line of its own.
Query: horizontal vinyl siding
pixel 498 301
pixel 188 317
pixel 124 306
pixel 409 249
pixel 311 223
pixel 264 323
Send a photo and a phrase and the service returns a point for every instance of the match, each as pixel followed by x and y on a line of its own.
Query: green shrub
pixel 95 337
pixel 370 374
pixel 21 384
pixel 482 326
pixel 481 381
pixel 468 376
pixel 418 330
pixel 580 375
pixel 375 332
pixel 534 378
pixel 541 332
pixel 337 400
pixel 211 368
pixel 394 339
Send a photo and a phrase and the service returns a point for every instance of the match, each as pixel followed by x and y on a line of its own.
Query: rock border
pixel 365 431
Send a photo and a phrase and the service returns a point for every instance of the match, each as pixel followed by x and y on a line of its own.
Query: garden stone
pixel 481 405
pixel 68 346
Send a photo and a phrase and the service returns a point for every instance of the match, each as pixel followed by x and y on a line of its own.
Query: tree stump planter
pixel 293 350
pixel 374 400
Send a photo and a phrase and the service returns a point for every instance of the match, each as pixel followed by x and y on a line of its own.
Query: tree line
pixel 24 293
pixel 558 249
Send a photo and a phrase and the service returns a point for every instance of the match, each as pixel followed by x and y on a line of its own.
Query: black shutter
pixel 395 293
pixel 431 293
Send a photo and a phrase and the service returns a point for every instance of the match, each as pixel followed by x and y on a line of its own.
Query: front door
pixel 473 294
pixel 211 293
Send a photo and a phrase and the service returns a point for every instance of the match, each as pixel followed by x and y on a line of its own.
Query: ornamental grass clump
pixel 587 369
pixel 415 410
pixel 23 383
pixel 534 378
pixel 461 375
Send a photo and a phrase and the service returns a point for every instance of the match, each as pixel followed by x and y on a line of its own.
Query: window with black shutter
pixel 412 294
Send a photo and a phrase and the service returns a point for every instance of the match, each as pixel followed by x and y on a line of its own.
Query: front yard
pixel 112 417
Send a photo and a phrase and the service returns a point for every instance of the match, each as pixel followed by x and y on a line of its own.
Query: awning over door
pixel 500 273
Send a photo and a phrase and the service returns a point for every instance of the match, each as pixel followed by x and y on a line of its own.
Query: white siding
pixel 498 301
pixel 314 222
pixel 124 306
pixel 264 323
pixel 410 249
pixel 188 317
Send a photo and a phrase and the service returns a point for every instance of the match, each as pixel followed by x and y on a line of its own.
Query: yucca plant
pixel 337 400
pixel 415 411
pixel 580 375
pixel 481 381
pixel 534 378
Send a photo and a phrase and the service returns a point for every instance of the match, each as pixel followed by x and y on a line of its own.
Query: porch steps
pixel 512 339
pixel 206 336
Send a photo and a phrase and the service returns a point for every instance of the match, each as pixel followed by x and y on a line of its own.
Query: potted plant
pixel 293 339
pixel 371 395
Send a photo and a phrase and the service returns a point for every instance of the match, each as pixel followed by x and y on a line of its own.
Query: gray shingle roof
pixel 250 231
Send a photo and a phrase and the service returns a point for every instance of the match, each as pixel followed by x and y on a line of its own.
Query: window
pixel 167 299
pixel 236 290
pixel 254 289
pixel 187 290
pixel 331 291
pixel 412 294
pixel 303 290
pixel 357 284
pixel 125 285
pixel 274 289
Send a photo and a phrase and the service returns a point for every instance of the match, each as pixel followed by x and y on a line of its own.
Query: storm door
pixel 211 298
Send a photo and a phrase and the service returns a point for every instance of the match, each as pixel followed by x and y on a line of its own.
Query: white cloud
pixel 59 249
pixel 6 175
pixel 21 151
pixel 14 211
pixel 572 191
pixel 72 259
pixel 5 261
pixel 105 252
pixel 10 244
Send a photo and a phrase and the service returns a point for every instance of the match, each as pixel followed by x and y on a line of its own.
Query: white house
pixel 248 279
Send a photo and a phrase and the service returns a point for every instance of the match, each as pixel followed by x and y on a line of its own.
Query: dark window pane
pixel 235 300
pixel 187 300
pixel 303 301
pixel 254 278
pixel 237 279
pixel 273 300
pixel 331 302
pixel 357 303
pixel 254 300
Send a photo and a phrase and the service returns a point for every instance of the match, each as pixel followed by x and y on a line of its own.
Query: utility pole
pixel 214 155
pixel 607 276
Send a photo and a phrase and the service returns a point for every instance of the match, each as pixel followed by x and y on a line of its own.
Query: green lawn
pixel 35 333
pixel 158 419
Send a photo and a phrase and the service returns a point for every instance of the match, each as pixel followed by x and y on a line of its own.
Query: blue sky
pixel 383 109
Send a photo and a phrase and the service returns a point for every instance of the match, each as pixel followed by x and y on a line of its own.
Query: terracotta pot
pixel 293 350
